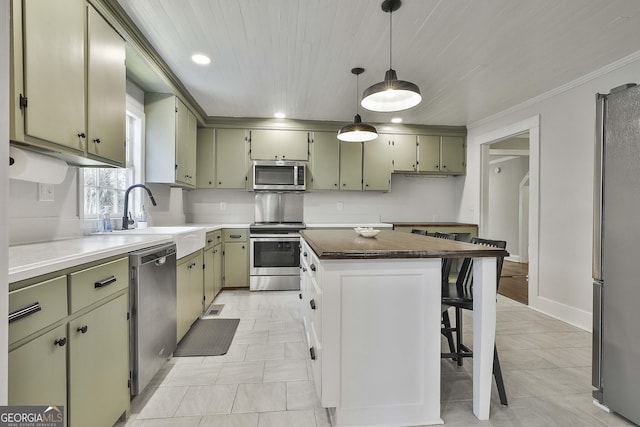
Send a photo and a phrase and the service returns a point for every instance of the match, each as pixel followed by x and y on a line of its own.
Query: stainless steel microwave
pixel 279 175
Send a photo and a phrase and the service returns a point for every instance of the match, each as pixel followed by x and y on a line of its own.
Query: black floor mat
pixel 208 337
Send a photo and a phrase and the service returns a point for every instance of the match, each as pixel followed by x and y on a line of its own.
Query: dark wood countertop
pixel 347 244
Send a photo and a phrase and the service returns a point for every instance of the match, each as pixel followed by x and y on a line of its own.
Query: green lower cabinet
pixel 190 288
pixel 99 365
pixel 217 267
pixel 38 371
pixel 236 265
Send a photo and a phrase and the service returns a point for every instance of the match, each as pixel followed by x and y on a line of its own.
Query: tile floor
pixel 265 379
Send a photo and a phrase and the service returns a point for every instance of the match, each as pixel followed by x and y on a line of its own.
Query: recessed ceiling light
pixel 201 59
pixel 396 120
pixel 279 115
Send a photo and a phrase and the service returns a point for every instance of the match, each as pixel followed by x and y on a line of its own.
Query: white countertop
pixel 214 227
pixel 35 259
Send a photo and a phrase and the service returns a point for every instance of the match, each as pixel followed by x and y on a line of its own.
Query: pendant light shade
pixel 391 94
pixel 357 131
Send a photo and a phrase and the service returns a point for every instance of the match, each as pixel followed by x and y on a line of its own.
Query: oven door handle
pixel 272 237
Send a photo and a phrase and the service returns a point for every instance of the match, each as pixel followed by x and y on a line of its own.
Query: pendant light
pixel 391 94
pixel 357 131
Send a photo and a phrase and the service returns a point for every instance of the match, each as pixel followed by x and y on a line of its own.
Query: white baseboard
pixel 579 318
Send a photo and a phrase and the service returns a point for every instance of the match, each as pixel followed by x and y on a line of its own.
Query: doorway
pixel 509 203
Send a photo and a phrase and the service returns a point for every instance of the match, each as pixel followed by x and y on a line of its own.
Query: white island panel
pixel 380 319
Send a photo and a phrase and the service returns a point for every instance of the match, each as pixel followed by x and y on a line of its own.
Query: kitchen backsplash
pixel 411 198
pixel 420 198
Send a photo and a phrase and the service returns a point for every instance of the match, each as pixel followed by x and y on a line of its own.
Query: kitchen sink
pixel 187 239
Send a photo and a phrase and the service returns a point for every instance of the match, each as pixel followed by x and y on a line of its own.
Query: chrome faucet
pixel 125 219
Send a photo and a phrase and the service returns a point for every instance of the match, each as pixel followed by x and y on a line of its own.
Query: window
pixel 104 188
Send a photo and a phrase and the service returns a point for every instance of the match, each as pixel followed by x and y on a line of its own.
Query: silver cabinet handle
pixel 24 311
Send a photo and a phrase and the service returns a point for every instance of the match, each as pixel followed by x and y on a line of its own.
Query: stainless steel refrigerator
pixel 616 253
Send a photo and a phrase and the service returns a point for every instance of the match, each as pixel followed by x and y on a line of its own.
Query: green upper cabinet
pixel 442 154
pixel 106 86
pixel 54 75
pixel 324 161
pixel 377 164
pixel 170 140
pixel 232 158
pixel 206 158
pixel 452 155
pixel 405 152
pixel 350 165
pixel 68 81
pixel 271 144
pixel 429 153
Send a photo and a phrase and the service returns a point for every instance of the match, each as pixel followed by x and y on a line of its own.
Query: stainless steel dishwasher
pixel 152 299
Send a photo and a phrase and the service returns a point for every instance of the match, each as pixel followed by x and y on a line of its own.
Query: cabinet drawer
pixel 34 307
pixel 93 284
pixel 213 238
pixel 234 235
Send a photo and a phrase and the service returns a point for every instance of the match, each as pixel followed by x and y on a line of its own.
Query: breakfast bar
pixel 371 310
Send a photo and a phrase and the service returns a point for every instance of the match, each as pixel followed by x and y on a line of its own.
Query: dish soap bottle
pixel 142 217
pixel 106 221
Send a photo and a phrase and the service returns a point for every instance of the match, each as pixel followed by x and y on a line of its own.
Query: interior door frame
pixel 531 125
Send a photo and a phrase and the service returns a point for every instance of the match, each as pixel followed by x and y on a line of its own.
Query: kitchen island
pixel 371 310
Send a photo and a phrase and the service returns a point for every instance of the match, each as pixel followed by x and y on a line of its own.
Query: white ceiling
pixel 470 58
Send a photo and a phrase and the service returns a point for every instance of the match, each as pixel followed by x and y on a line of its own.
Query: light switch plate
pixel 45 193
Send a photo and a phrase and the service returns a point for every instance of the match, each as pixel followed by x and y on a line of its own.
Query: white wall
pixel 567 123
pixel 504 201
pixel 33 221
pixel 420 199
pixel 4 193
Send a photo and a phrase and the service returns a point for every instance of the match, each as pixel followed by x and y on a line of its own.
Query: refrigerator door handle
pixel 596 348
pixel 598 184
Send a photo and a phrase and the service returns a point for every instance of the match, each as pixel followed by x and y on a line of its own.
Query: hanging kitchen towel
pixel 36 167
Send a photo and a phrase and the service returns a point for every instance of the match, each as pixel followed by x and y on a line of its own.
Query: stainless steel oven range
pixel 274 251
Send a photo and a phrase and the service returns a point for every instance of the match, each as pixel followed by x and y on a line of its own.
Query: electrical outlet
pixel 45 193
pixel 223 206
pixel 339 206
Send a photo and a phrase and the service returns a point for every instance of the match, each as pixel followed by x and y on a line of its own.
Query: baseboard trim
pixel 579 318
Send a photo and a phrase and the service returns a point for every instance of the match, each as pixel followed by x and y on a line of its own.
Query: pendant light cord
pixel 357 94
pixel 390 36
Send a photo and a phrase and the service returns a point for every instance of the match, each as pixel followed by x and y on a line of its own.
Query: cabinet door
pixel 191 148
pixel 54 73
pixel 325 161
pixel 206 160
pixel 196 287
pixel 209 276
pixel 189 293
pixel 236 264
pixel 452 154
pixel 377 164
pixel 182 297
pixel 405 152
pixel 231 158
pixel 182 142
pixel 270 144
pixel 99 361
pixel 38 371
pixel 429 153
pixel 106 85
pixel 350 166
pixel 160 137
pixel 217 270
